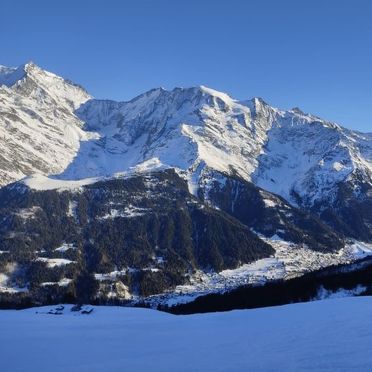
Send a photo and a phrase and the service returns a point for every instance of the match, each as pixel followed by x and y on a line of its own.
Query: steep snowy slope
pixel 184 128
pixel 307 157
pixel 295 155
pixel 38 129
pixel 331 335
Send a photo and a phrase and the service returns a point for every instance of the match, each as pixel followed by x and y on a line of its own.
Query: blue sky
pixel 313 54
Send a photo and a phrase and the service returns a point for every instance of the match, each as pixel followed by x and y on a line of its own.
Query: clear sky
pixel 315 54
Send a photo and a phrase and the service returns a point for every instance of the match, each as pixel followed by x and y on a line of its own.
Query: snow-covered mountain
pixel 196 129
pixel 288 182
pixel 53 126
pixel 38 129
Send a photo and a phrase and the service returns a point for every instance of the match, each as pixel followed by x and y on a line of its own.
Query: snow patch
pixel 65 247
pixel 270 203
pixel 55 262
pixel 338 166
pixel 41 182
pixel 325 294
pixel 28 213
pixel 64 282
pixel 360 250
pixel 128 212
pixel 113 275
pixel 71 211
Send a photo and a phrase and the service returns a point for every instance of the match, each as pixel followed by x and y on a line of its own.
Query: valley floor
pixel 330 335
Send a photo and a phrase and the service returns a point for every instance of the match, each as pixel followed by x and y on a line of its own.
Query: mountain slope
pixel 147 227
pixel 198 127
pixel 330 335
pixel 266 213
pixel 305 158
pixel 181 128
pixel 38 130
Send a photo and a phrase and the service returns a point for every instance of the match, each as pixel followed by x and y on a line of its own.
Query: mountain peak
pixel 215 93
pixel 259 100
pixel 29 78
pixel 29 66
pixel 11 75
pixel 297 110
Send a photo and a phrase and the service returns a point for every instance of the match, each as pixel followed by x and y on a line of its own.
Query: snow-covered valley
pixel 329 335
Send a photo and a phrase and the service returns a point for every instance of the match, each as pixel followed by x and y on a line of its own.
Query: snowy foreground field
pixel 330 335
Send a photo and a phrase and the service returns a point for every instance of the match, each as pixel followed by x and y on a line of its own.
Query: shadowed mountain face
pixel 268 214
pixel 149 228
pixel 152 191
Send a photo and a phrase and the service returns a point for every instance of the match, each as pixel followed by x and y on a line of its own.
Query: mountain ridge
pixel 191 129
pixel 252 114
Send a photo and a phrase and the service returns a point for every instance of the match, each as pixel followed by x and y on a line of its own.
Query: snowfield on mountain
pixel 329 335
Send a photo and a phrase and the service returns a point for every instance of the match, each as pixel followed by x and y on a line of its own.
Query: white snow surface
pixel 6 285
pixel 41 182
pixel 39 131
pixel 128 212
pixel 53 262
pixel 340 293
pixel 331 335
pixel 361 250
pixel 62 283
pixel 65 247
